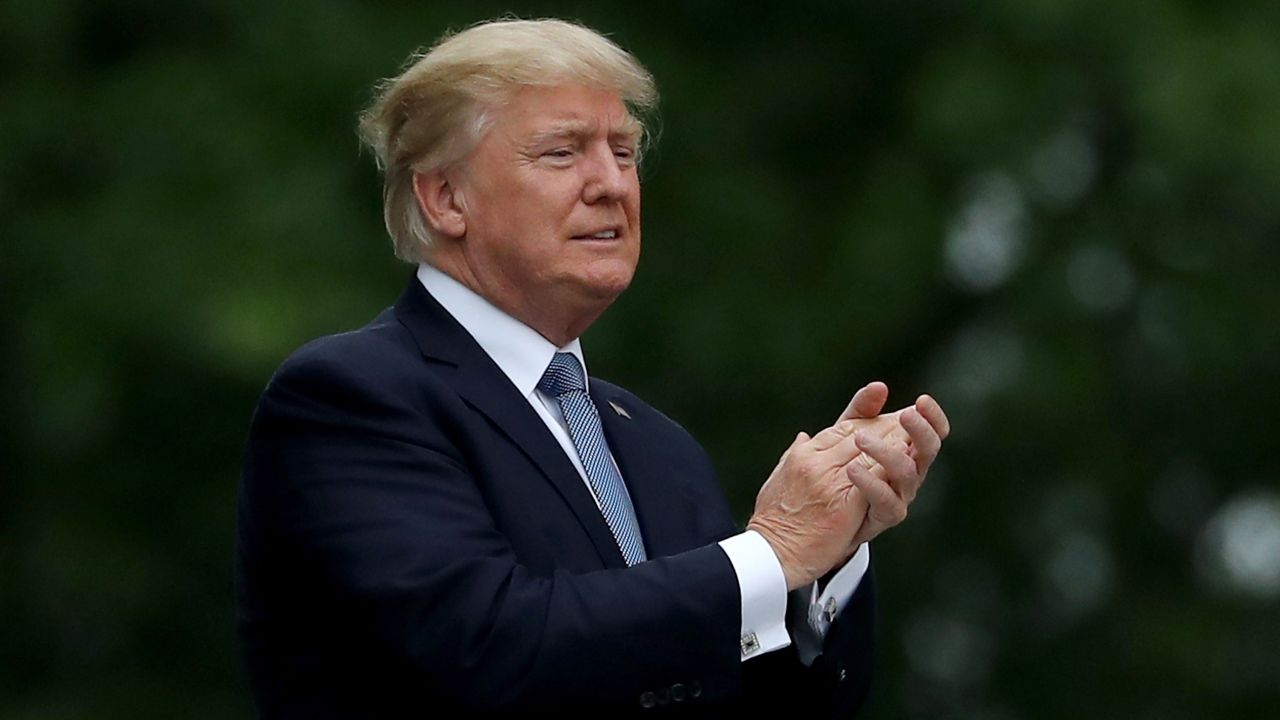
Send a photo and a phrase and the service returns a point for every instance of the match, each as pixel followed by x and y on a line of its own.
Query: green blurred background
pixel 1058 216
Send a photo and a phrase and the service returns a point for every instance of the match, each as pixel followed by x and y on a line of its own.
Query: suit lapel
pixel 484 386
pixel 656 490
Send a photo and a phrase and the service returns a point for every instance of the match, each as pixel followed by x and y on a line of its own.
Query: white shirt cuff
pixel 763 589
pixel 825 607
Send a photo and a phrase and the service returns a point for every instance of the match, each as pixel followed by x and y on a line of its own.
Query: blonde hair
pixel 437 109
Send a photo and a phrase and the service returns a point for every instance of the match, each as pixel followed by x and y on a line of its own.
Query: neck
pixel 559 320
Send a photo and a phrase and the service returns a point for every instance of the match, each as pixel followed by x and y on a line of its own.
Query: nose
pixel 607 179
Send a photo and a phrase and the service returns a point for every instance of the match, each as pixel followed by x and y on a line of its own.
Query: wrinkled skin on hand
pixel 833 491
pixel 893 465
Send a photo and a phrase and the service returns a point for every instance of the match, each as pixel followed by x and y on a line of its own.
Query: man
pixel 440 513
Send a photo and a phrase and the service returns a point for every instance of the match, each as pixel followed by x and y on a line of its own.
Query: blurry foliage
pixel 1059 216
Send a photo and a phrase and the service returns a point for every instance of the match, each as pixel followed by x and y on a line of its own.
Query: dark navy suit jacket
pixel 412 541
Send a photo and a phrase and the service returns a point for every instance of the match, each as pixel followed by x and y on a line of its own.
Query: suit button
pixel 695 689
pixel 678 692
pixel 648 699
pixel 844 675
pixel 664 696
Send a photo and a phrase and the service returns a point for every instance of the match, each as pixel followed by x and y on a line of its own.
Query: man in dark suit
pixel 441 512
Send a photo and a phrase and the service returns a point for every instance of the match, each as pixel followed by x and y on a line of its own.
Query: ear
pixel 441 206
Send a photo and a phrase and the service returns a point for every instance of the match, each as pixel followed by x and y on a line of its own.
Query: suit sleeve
pixel 356 501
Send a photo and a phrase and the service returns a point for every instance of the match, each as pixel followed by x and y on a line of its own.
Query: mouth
pixel 607 234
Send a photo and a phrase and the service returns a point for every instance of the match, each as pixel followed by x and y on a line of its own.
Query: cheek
pixel 633 203
pixel 546 206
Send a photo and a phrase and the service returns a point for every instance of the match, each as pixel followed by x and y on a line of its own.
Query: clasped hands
pixel 845 485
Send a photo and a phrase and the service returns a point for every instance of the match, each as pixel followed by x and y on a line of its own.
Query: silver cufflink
pixel 750 644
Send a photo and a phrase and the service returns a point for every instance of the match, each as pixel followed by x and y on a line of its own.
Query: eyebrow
pixel 630 130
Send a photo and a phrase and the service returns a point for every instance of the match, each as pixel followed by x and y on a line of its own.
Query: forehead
pixel 566 109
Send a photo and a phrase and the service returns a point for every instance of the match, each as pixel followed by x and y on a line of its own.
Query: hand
pixel 891 484
pixel 809 508
pixel 863 412
pixel 814 519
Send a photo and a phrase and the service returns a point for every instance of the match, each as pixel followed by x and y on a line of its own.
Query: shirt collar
pixel 519 351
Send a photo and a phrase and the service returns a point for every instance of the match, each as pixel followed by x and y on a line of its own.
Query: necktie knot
pixel 563 375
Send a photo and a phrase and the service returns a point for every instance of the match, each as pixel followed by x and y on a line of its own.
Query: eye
pixel 558 153
pixel 624 153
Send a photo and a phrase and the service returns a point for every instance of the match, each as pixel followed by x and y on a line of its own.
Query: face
pixel 550 200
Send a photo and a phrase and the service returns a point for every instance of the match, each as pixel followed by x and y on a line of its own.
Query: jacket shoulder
pixel 664 438
pixel 628 404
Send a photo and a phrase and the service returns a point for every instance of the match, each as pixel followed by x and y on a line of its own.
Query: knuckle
pixel 799 453
pixel 853 472
pixel 882 493
pixel 899 472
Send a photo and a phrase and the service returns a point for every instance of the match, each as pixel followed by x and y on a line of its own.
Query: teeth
pixel 606 235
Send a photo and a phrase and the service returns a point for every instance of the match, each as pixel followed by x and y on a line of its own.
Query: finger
pixel 925 442
pixel 897 433
pixel 898 467
pixel 867 461
pixel 867 402
pixel 888 426
pixel 876 468
pixel 893 456
pixel 856 506
pixel 883 425
pixel 831 448
pixel 801 439
pixel 844 451
pixel 932 411
pixel 883 504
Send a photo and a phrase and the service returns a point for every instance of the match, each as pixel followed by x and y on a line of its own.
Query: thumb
pixel 867 402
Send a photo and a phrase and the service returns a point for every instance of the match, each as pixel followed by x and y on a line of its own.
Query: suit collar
pixel 517 349
pixel 483 385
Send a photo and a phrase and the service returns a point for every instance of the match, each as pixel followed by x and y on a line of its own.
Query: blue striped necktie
pixel 563 381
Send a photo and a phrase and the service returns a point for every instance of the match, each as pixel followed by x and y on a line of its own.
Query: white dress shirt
pixel 523 356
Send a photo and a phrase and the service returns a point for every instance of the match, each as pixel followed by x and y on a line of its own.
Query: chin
pixel 607 291
pixel 609 282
